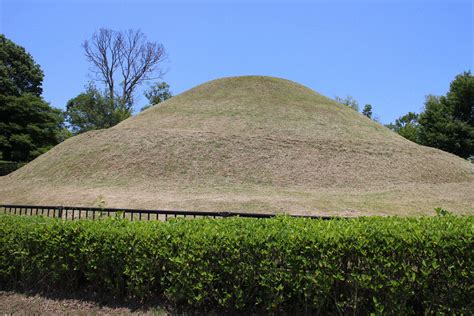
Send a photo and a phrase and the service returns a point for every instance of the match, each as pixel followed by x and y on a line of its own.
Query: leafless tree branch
pixel 125 56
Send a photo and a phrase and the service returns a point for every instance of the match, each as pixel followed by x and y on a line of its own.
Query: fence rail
pixel 80 212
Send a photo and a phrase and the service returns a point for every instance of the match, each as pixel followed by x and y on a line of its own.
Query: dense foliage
pixel 19 73
pixel 29 126
pixel 439 128
pixel 381 265
pixel 7 167
pixel 406 126
pixel 92 110
pixel 447 122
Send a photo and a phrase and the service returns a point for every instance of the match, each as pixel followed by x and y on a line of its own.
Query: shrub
pixel 382 265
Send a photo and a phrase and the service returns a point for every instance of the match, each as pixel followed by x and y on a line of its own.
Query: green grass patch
pixel 382 265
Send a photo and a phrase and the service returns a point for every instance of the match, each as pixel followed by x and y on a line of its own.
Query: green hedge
pixel 382 265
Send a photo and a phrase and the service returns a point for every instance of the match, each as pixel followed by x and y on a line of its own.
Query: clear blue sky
pixel 387 53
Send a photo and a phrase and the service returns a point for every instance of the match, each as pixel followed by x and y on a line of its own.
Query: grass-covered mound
pixel 387 265
pixel 247 144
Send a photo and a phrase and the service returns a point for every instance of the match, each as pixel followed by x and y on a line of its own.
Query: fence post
pixel 60 211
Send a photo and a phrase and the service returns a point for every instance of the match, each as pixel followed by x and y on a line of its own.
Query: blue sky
pixel 386 53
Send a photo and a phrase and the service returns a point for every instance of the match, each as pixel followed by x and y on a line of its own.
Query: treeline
pixel 29 126
pixel 447 122
pixel 120 62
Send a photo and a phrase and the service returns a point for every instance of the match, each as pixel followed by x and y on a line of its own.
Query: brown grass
pixel 12 303
pixel 248 144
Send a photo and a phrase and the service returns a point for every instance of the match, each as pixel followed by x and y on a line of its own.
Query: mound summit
pixel 250 144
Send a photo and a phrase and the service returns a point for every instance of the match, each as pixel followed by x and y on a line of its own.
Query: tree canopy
pixel 438 127
pixel 29 126
pixel 157 93
pixel 407 126
pixel 460 98
pixel 93 110
pixel 19 73
pixel 447 122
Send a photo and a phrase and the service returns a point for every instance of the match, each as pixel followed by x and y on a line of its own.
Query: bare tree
pixel 123 60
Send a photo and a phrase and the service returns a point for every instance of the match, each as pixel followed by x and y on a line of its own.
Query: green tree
pixel 29 126
pixel 448 121
pixel 406 126
pixel 92 110
pixel 439 128
pixel 157 93
pixel 19 73
pixel 348 101
pixel 367 111
pixel 460 98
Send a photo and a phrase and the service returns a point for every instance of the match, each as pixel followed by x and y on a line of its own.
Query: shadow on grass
pixel 88 301
pixel 95 301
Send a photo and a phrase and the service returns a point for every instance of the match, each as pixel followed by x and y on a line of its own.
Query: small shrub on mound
pixel 383 265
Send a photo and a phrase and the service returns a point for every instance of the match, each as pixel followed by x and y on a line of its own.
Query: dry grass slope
pixel 247 143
